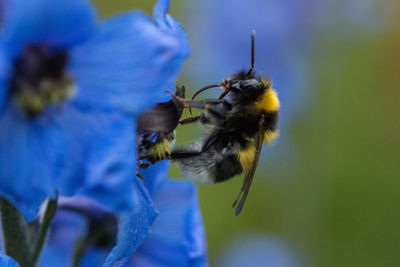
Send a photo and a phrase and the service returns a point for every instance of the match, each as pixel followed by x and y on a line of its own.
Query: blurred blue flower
pixel 176 238
pixel 70 92
pixel 6 261
pixel 350 18
pixel 257 250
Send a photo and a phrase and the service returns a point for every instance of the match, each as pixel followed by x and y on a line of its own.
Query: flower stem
pixel 51 209
pixel 15 233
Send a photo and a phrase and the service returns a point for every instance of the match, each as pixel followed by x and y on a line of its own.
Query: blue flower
pixel 70 92
pixel 176 238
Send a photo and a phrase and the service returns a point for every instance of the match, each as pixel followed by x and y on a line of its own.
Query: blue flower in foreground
pixel 177 237
pixel 70 91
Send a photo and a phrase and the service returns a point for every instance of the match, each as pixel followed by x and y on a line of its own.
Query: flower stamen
pixel 39 80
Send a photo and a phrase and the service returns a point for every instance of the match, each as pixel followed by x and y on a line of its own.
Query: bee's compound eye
pixel 235 84
pixel 249 83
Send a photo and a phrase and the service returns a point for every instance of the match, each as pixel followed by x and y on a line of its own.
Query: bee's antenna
pixel 206 88
pixel 202 90
pixel 253 41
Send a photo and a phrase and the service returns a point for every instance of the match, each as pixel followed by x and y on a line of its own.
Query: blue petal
pixel 30 158
pixel 177 237
pixel 4 67
pixel 6 261
pixel 126 65
pixel 111 168
pixel 70 225
pixel 134 227
pixel 66 229
pixel 170 25
pixel 155 175
pixel 102 158
pixel 167 22
pixel 56 23
pixel 94 257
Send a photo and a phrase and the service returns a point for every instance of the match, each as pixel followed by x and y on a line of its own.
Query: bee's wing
pixel 249 175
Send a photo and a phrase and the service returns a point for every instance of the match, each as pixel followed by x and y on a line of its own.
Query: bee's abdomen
pixel 246 156
pixel 211 166
pixel 227 168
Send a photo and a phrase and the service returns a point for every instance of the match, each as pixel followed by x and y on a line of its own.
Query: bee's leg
pixel 143 165
pixel 190 119
pixel 140 176
pixel 179 154
pixel 184 154
pixel 216 114
pixel 224 93
pixel 204 104
pixel 195 104
pixel 210 141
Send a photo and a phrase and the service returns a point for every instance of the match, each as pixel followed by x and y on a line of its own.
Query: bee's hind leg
pixel 181 154
pixel 143 165
pixel 203 104
pixel 139 176
pixel 191 119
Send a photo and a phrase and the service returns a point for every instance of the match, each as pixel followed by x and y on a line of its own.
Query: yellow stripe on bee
pixel 160 150
pixel 246 156
pixel 269 101
pixel 270 136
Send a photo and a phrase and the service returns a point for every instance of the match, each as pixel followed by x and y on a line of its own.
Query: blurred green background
pixel 336 202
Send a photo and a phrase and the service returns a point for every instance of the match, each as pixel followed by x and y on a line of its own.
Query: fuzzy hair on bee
pixel 236 125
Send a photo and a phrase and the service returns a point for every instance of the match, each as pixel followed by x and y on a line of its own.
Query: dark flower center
pixel 39 79
pixel 102 227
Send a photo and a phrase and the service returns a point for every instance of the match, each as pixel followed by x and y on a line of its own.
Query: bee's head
pixel 243 87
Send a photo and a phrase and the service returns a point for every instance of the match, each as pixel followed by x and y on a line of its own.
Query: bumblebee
pixel 155 130
pixel 236 125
